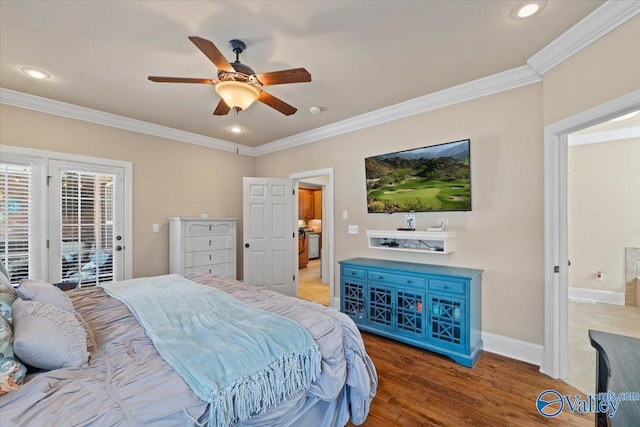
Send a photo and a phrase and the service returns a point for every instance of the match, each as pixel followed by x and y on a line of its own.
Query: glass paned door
pixel 86 242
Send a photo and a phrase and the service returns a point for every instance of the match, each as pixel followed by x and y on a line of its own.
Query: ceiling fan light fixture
pixel 237 94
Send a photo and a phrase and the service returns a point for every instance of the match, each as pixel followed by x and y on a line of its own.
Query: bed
pixel 125 381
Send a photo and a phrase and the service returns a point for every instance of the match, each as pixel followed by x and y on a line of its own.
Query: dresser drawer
pixel 226 270
pixel 208 229
pixel 446 286
pixel 207 243
pixel 396 279
pixel 353 273
pixel 192 259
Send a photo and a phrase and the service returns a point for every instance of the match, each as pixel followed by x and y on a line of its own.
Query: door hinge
pixel 49 179
pixel 47 243
pixel 294 277
pixel 293 235
pixel 293 191
pixel 556 269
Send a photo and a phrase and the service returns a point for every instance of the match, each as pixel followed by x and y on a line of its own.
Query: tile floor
pixel 617 319
pixel 310 285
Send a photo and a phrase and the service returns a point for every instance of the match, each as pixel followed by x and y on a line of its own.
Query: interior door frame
pixel 555 360
pixel 327 223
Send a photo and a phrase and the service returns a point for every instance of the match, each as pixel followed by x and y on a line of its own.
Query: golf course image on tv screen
pixel 428 179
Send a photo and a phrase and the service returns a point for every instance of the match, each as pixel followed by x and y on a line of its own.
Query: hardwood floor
pixel 419 388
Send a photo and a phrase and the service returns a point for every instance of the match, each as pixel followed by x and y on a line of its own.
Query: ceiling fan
pixel 237 84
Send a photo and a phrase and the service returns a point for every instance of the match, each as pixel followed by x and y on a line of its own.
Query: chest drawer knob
pixel 446 287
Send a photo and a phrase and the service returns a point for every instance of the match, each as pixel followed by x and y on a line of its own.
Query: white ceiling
pixel 362 56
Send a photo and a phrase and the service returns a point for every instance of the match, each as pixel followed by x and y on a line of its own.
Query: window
pixel 81 202
pixel 15 218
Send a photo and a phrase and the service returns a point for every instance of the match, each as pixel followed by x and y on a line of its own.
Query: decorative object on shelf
pixel 412 240
pixel 439 227
pixel 434 307
pixel 410 221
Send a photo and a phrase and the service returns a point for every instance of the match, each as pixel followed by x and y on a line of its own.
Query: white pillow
pixel 47 337
pixel 39 290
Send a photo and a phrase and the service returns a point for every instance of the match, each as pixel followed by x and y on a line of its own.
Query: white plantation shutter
pixel 64 220
pixel 87 222
pixel 15 219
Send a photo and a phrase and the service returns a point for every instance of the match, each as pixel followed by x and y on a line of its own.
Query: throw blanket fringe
pixel 264 389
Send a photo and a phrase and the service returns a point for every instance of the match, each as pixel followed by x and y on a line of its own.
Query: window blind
pixel 16 219
pixel 86 227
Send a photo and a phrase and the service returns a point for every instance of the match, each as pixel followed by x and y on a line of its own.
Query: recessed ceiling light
pixel 527 9
pixel 625 117
pixel 36 74
pixel 236 129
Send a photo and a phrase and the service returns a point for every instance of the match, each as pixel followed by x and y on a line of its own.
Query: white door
pixel 86 242
pixel 269 234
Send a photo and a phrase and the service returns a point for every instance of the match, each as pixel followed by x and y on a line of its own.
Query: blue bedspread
pixel 241 360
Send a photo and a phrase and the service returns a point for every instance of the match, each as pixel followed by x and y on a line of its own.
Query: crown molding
pixel 50 106
pixel 606 18
pixel 496 83
pixel 600 22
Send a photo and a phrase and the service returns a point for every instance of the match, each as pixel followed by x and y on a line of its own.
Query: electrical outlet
pixel 443 220
pixel 353 229
pixel 155 228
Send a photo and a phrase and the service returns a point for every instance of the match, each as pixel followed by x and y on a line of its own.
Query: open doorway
pixel 603 210
pixel 555 360
pixel 315 235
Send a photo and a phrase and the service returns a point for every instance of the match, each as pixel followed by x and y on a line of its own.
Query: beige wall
pixel 604 211
pixel 170 178
pixel 606 70
pixel 503 235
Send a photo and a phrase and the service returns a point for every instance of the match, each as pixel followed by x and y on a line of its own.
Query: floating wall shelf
pixel 438 242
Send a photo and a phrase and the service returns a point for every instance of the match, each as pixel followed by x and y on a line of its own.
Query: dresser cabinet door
pixel 447 323
pixel 410 309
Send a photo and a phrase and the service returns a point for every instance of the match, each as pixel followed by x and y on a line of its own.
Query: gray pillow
pixel 39 290
pixel 47 337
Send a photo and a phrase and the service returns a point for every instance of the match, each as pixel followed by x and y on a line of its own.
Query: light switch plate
pixel 353 229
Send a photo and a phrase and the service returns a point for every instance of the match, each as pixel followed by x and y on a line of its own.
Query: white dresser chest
pixel 203 245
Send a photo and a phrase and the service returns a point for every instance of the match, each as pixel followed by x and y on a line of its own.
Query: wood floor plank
pixel 420 388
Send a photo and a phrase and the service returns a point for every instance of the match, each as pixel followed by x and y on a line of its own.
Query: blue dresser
pixel 429 306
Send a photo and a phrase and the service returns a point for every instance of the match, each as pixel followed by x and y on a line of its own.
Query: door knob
pixel 119 248
pixel 246 245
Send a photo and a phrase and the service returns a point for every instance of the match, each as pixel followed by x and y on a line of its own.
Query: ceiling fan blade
pixel 276 103
pixel 158 79
pixel 295 75
pixel 211 51
pixel 222 109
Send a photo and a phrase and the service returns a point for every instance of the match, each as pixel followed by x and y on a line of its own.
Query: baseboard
pixel 513 348
pixel 504 346
pixel 595 295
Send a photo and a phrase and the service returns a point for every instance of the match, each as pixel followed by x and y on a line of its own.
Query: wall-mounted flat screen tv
pixel 428 179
